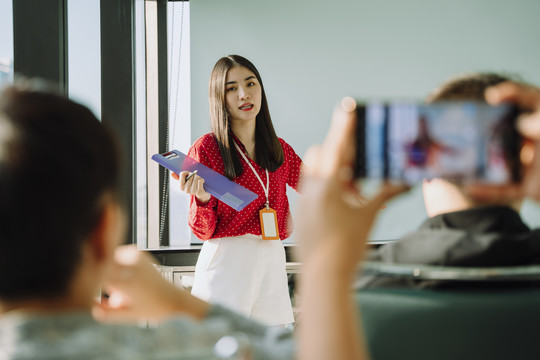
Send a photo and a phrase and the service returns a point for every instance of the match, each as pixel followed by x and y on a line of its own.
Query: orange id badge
pixel 269 225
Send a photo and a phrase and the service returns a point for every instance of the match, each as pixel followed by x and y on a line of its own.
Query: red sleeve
pixel 294 164
pixel 202 218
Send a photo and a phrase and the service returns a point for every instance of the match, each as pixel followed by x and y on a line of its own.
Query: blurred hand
pixel 527 98
pixel 194 186
pixel 138 291
pixel 332 222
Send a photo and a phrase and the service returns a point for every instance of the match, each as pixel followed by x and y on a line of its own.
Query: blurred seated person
pixel 60 225
pixel 461 230
pixel 332 232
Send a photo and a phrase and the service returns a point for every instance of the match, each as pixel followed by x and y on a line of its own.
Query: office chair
pixel 490 323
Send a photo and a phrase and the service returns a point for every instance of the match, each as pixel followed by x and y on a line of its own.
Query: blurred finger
pixel 127 255
pixel 182 176
pixel 529 125
pixel 200 186
pixel 118 276
pixel 311 159
pixel 105 314
pixel 175 176
pixel 525 96
pixel 494 193
pixel 193 184
pixel 355 200
pixel 191 179
pixel 532 175
pixel 386 193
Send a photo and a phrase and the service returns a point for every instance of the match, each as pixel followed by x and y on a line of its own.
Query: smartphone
pixel 460 141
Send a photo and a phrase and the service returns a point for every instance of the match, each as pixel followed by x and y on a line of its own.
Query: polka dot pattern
pixel 216 219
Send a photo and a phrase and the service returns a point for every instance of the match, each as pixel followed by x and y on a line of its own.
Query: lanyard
pixel 265 188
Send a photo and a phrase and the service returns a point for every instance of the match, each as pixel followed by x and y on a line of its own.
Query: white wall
pixel 311 53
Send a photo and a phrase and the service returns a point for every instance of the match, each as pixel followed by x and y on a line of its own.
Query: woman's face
pixel 243 94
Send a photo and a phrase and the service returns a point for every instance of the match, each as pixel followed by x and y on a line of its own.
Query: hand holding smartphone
pixel 460 141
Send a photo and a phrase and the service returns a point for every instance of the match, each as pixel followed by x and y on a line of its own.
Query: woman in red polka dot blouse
pixel 242 261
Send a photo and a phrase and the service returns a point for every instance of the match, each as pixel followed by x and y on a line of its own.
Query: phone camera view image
pixel 461 141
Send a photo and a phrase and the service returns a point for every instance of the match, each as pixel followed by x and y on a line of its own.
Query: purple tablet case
pixel 217 185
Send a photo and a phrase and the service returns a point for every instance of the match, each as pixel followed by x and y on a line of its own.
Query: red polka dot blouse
pixel 216 219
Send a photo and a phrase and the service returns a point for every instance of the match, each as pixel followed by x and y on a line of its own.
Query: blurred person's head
pixel 467 87
pixel 59 214
pixel 443 196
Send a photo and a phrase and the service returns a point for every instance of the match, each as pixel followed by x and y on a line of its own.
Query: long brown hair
pixel 268 150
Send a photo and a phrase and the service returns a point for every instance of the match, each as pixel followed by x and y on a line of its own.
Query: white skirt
pixel 246 274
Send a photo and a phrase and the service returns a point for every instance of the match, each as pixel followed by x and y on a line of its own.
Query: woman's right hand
pixel 193 186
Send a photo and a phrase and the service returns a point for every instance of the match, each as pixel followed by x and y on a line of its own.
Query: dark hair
pixel 468 87
pixel 268 150
pixel 57 162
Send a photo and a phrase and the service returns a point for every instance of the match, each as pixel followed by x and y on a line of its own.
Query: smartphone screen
pixel 462 141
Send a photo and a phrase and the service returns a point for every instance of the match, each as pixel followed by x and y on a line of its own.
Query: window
pixel 140 131
pixel 163 119
pixel 6 42
pixel 84 53
pixel 179 113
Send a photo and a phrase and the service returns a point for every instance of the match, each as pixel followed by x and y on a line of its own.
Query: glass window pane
pixel 140 142
pixel 84 53
pixel 149 206
pixel 6 42
pixel 179 113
